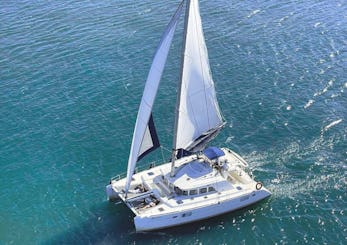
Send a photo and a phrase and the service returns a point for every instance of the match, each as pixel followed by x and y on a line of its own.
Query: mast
pixel 178 101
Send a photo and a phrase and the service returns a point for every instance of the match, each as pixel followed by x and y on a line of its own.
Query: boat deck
pixel 197 183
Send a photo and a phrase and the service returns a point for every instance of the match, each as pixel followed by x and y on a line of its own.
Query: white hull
pixel 199 190
pixel 180 218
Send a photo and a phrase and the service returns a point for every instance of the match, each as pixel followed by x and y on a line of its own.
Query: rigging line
pixel 178 102
pixel 166 149
pixel 183 61
pixel 162 153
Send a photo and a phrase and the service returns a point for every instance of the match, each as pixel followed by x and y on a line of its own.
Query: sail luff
pixel 178 101
pixel 149 94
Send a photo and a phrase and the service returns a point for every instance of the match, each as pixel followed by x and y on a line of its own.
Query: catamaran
pixel 198 182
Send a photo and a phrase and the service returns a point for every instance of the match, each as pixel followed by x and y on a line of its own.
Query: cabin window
pixel 203 190
pixel 211 189
pixel 185 193
pixel 193 192
pixel 178 190
pixel 244 198
pixel 187 214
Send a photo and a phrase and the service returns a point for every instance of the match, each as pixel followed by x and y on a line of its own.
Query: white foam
pixel 283 18
pixel 254 12
pixel 332 124
pixel 330 83
pixel 317 24
pixel 308 104
pixel 229 139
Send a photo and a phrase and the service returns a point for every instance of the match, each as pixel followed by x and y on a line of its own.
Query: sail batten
pixel 142 133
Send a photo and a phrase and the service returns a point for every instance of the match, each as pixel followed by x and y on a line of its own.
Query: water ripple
pixel 71 78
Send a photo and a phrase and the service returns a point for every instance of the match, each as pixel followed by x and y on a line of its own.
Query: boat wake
pixel 301 169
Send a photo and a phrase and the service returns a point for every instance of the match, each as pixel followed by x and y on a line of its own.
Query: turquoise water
pixel 71 78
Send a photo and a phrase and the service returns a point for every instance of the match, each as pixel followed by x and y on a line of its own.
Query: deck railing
pixel 137 169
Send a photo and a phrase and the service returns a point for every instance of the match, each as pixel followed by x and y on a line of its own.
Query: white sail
pixel 153 79
pixel 198 111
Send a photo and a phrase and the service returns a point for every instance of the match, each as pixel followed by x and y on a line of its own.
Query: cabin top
pixel 198 174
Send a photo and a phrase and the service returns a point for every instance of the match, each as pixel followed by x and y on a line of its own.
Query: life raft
pixel 258 186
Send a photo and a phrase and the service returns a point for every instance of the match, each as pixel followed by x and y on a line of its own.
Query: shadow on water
pixel 112 223
pixel 108 222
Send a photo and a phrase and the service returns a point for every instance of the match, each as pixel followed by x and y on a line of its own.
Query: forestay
pixel 142 140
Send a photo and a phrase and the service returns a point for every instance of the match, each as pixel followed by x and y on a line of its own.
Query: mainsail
pixel 142 140
pixel 198 117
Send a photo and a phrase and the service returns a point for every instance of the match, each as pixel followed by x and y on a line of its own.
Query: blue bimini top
pixel 213 152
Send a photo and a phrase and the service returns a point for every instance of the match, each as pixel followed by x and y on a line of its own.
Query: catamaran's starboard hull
pixel 189 216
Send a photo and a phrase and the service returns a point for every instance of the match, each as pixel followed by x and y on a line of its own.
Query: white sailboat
pixel 198 182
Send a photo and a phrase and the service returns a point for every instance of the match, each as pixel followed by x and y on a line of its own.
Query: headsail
pixel 198 118
pixel 138 147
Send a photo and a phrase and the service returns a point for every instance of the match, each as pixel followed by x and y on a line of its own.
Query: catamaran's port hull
pixel 111 193
pixel 157 222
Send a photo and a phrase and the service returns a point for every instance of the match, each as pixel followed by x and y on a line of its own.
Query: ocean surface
pixel 71 79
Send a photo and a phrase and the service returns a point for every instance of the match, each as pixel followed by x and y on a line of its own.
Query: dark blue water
pixel 71 78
